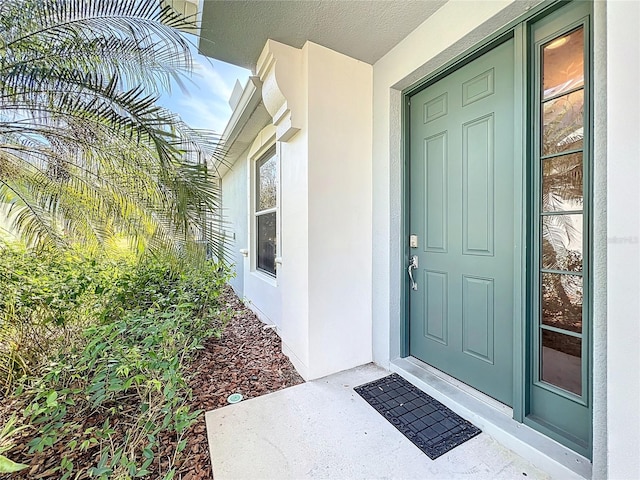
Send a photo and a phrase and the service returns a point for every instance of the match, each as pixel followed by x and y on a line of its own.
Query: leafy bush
pixel 119 385
pixel 44 298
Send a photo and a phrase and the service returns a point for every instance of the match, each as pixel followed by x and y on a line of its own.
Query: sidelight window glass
pixel 561 211
pixel 563 63
pixel 562 183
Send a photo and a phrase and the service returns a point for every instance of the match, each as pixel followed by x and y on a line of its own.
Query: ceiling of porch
pixel 236 31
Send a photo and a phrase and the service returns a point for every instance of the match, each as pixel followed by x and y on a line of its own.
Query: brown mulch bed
pixel 247 360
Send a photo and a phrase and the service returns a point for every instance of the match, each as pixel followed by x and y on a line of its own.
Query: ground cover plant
pixel 93 351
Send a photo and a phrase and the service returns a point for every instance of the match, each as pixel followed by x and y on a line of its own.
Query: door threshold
pixel 495 419
pixel 483 397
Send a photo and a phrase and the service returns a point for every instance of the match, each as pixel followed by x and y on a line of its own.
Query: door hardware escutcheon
pixel 413 264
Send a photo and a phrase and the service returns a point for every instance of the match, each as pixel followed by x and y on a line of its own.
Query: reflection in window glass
pixel 562 123
pixel 563 63
pixel 562 242
pixel 562 183
pixel 562 361
pixel 266 243
pixel 266 178
pixel 267 183
pixel 562 301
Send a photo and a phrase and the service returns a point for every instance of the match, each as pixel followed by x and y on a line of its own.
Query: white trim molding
pixel 280 70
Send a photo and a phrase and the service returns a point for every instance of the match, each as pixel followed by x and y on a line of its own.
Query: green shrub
pixel 119 384
pixel 43 300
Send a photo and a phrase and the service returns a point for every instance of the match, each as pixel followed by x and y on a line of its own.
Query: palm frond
pixel 85 151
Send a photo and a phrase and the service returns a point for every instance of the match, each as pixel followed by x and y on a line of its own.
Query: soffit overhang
pixel 235 31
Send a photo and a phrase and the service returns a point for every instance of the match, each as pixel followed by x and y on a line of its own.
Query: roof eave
pixel 249 105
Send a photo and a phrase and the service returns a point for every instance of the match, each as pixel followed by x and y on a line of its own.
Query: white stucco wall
pixel 326 216
pixel 321 298
pixel 339 134
pixel 623 250
pixel 234 194
pixel 293 274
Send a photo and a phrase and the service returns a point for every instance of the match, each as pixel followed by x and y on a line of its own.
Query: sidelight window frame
pixel 539 214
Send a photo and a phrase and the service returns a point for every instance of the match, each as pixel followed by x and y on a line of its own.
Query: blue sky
pixel 205 104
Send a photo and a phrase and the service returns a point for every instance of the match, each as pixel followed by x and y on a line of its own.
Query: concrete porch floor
pixel 323 429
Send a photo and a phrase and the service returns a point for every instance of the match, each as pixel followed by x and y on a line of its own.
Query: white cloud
pixel 205 111
pixel 204 104
pixel 209 78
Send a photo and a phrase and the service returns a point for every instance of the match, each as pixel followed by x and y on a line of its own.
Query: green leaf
pixel 52 399
pixel 147 453
pixel 97 471
pixel 181 446
pixel 9 466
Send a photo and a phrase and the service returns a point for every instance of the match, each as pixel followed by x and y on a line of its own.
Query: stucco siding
pixel 234 201
pixel 623 249
pixel 321 297
pixel 293 274
pixel 339 126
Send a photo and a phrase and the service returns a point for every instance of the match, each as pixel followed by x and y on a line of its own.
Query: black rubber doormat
pixel 431 426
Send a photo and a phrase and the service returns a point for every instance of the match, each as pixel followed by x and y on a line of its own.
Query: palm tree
pixel 85 152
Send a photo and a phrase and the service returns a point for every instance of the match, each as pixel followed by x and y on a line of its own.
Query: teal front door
pixel 461 172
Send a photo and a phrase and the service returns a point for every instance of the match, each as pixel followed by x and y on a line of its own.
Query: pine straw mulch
pixel 247 360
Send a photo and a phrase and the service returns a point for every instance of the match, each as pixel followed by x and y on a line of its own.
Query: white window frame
pixel 269 149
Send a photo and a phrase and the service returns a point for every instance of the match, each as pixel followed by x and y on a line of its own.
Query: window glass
pixel 562 301
pixel 266 242
pixel 267 183
pixel 562 129
pixel 563 120
pixel 266 178
pixel 562 242
pixel 562 361
pixel 563 63
pixel 562 183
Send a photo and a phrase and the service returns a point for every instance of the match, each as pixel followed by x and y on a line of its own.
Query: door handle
pixel 413 264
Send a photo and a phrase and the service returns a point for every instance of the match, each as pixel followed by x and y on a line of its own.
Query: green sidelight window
pixel 561 154
pixel 559 388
